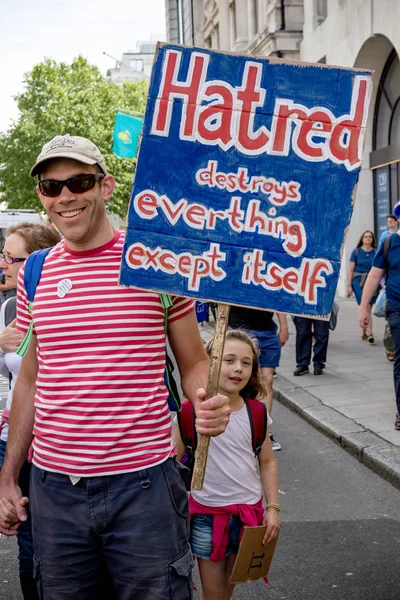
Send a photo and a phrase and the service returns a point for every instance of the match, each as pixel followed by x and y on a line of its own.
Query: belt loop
pixel 144 480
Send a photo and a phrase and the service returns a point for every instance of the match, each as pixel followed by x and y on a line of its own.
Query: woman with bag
pixel 360 264
pixel 22 240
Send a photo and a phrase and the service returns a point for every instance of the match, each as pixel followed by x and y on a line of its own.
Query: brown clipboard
pixel 253 560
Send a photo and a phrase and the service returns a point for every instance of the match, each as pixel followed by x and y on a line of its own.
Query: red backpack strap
pixel 257 412
pixel 186 423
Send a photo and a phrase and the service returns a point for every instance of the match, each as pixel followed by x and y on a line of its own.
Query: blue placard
pixel 246 178
pixel 201 311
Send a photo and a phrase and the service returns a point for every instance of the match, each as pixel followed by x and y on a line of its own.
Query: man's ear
pixel 107 187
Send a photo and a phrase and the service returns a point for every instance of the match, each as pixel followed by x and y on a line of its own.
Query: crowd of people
pixel 88 413
pixel 385 270
pixel 374 266
pixel 89 460
pixel 21 241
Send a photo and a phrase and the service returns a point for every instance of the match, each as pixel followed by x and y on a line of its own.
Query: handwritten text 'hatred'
pixel 217 114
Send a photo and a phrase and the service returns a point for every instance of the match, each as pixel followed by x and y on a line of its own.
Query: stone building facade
pixel 134 64
pixel 351 33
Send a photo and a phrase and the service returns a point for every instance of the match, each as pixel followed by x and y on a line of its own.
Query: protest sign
pixel 246 178
pixel 201 311
pixel 253 560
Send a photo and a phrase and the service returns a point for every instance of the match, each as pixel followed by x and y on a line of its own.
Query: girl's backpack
pixel 258 419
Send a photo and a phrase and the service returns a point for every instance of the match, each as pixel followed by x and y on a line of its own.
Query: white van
pixel 13 217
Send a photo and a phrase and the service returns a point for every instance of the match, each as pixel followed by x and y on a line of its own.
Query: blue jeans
pixel 393 318
pixel 270 347
pixel 201 528
pixel 134 524
pixel 24 535
pixel 304 335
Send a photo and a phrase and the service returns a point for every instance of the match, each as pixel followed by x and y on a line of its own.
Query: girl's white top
pixel 10 362
pixel 232 469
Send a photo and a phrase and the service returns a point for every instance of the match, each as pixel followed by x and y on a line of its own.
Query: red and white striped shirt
pixel 101 401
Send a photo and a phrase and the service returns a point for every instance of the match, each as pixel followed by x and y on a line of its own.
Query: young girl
pixel 232 492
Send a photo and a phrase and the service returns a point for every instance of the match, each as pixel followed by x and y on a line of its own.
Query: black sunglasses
pixel 78 184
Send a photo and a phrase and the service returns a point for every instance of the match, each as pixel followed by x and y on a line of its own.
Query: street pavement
pixel 340 522
pixel 340 529
pixel 353 401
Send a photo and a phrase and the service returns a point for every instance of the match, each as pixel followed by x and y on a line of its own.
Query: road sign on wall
pixel 246 179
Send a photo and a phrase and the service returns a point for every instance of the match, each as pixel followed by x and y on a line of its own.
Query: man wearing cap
pixel 392 267
pixel 106 490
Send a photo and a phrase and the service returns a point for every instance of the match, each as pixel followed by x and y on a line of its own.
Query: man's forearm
pixel 196 378
pixel 20 430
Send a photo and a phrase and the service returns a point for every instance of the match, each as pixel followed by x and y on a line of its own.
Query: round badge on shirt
pixel 64 287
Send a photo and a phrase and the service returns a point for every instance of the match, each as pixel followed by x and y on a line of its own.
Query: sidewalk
pixel 353 402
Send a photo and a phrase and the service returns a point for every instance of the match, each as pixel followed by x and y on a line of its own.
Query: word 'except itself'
pixel 303 281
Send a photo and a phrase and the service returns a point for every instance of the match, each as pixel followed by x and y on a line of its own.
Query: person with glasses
pixel 360 264
pixel 106 490
pixel 392 228
pixel 21 240
pixel 5 291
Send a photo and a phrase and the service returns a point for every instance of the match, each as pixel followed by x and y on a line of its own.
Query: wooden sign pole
pixel 212 389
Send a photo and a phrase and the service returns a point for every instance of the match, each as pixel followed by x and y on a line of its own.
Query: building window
pixel 386 124
pixel 136 64
pixel 386 142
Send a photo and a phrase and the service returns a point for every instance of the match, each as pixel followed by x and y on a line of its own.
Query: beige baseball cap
pixel 70 146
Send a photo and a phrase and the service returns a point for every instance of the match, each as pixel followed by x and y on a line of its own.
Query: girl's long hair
pixel 360 241
pixel 254 388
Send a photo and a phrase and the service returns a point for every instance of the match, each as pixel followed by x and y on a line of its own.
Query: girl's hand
pixel 271 520
pixel 349 290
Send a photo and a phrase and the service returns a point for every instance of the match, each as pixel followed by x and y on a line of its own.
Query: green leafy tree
pixel 60 98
